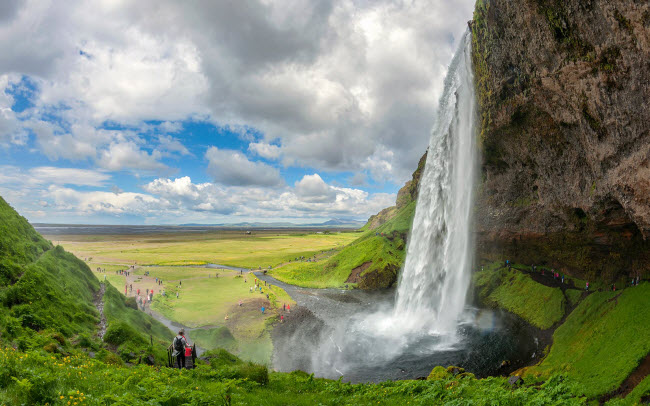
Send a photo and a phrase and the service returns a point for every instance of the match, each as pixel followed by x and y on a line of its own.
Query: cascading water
pixel 436 273
pixel 372 336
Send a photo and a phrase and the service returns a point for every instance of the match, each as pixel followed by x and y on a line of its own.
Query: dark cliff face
pixel 564 88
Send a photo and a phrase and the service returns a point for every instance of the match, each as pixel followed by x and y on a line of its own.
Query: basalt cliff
pixel 563 88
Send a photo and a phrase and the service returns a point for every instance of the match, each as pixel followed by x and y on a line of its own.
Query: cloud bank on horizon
pixel 162 111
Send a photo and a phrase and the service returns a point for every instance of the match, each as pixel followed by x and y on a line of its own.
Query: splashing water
pixel 431 293
pixel 436 274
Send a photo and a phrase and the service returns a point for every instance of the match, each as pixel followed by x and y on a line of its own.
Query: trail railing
pixel 189 360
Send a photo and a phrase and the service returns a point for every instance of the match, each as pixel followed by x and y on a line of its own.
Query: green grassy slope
pixel 132 331
pixel 47 299
pixel 602 341
pixel 540 305
pixel 381 247
pixel 385 253
pixel 20 244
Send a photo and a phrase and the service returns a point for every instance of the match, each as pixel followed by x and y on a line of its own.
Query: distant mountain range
pixel 337 223
pixel 54 229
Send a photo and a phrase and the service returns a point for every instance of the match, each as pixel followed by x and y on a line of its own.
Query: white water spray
pixel 436 274
pixel 426 315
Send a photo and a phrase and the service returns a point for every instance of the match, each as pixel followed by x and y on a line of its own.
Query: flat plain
pixel 232 248
pixel 208 299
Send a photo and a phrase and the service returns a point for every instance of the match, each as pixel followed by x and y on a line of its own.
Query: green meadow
pixel 259 249
pixel 206 295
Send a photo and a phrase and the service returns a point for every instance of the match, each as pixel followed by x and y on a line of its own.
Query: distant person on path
pixel 289 308
pixel 284 307
pixel 281 319
pixel 263 309
pixel 587 286
pixel 179 344
pixel 239 302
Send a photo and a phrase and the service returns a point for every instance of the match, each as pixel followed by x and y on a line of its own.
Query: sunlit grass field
pixel 204 299
pixel 259 249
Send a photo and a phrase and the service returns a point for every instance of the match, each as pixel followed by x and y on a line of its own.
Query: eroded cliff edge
pixel 563 88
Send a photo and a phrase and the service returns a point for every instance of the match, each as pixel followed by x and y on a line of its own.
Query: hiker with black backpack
pixel 180 343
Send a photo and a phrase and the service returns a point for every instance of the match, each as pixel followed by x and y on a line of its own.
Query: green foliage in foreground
pixel 602 341
pixel 39 378
pixel 384 253
pixel 518 293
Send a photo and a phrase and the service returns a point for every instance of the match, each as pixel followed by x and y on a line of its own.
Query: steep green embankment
pixel 542 306
pixel 602 341
pixel 48 300
pixel 374 259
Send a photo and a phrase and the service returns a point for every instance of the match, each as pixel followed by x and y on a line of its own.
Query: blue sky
pixel 217 112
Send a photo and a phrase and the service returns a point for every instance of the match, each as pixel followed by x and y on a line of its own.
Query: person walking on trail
pixel 263 309
pixel 289 308
pixel 179 344
pixel 284 307
pixel 587 286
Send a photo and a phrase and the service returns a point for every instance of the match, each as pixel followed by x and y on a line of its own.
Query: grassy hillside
pixel 382 250
pixel 48 301
pixel 602 341
pixel 131 331
pixel 374 259
pixel 540 305
pixel 20 244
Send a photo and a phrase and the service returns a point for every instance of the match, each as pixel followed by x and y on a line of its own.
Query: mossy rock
pixel 438 373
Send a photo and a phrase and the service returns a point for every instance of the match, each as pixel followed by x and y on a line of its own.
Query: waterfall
pixel 420 326
pixel 434 282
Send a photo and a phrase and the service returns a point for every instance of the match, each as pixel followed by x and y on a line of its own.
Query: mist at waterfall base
pixel 403 334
